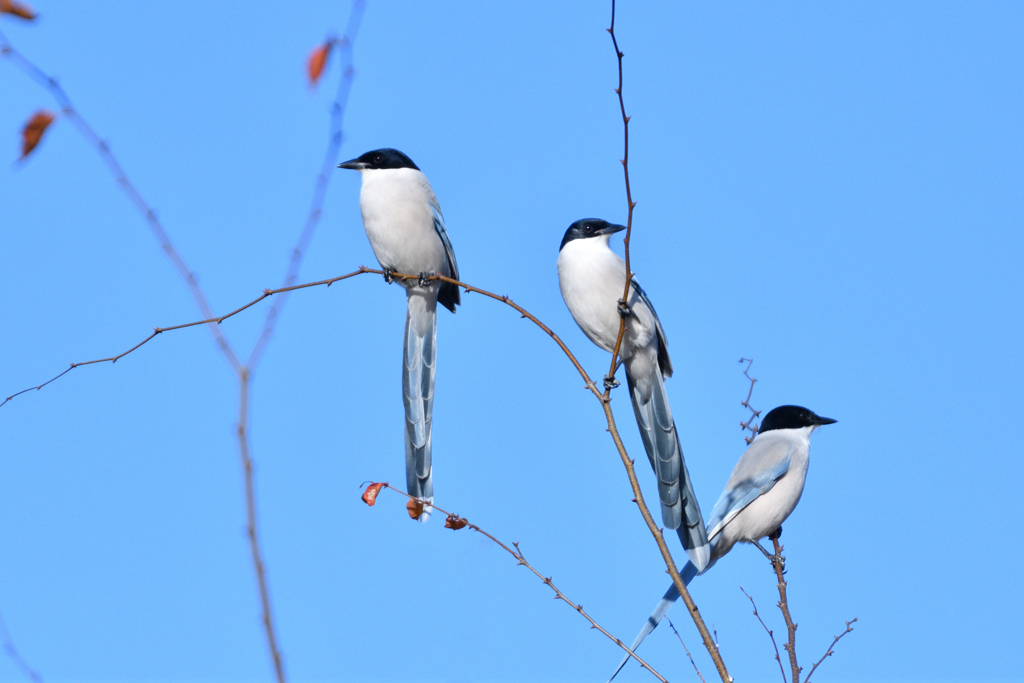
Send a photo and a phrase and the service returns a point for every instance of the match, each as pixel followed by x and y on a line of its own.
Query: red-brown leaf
pixel 370 494
pixel 454 522
pixel 415 508
pixel 317 61
pixel 18 9
pixel 33 131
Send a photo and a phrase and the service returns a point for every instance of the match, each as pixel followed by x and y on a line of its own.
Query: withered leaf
pixel 33 131
pixel 455 523
pixel 370 494
pixel 415 508
pixel 18 9
pixel 317 61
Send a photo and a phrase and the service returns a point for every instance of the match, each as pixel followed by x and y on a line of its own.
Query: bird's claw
pixel 624 310
pixel 389 274
pixel 610 383
pixel 424 279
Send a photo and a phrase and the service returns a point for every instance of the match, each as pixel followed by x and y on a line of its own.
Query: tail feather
pixel 679 508
pixel 418 369
pixel 660 610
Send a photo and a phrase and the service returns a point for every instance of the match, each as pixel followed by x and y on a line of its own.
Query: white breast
pixel 396 208
pixel 591 277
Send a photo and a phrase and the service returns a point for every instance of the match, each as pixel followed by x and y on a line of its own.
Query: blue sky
pixel 834 190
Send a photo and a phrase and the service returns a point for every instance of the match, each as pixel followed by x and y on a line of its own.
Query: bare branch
pixel 624 302
pixel 749 424
pixel 134 196
pixel 828 653
pixel 685 649
pixel 777 565
pixel 770 635
pixel 454 521
pixel 335 138
pixel 209 320
pixel 251 527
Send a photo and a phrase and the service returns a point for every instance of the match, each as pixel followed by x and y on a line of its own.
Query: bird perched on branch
pixel 593 278
pixel 763 490
pixel 407 233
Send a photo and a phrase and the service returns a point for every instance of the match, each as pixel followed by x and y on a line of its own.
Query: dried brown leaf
pixel 415 508
pixel 370 494
pixel 317 61
pixel 33 131
pixel 455 523
pixel 17 9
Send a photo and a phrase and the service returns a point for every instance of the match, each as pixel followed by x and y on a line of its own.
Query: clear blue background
pixel 836 191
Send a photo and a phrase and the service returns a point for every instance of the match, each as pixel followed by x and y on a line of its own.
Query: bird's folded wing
pixel 663 359
pixel 449 296
pixel 764 463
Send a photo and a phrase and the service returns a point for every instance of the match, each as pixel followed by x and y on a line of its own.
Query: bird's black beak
pixel 612 229
pixel 353 164
pixel 819 420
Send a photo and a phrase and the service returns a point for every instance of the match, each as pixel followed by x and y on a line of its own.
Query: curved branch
pixel 456 522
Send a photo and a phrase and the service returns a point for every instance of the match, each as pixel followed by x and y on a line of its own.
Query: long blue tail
pixel 679 508
pixel 671 595
pixel 418 368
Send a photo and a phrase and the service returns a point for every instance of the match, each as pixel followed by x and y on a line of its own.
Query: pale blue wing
pixel 763 464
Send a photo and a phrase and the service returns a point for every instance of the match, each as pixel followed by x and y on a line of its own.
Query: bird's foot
pixel 774 559
pixel 610 382
pixel 389 274
pixel 424 279
pixel 624 310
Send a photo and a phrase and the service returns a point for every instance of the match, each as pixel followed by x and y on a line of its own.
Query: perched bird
pixel 592 278
pixel 763 490
pixel 406 230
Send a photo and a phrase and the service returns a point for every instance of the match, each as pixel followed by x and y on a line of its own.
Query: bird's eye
pixel 588 229
pixel 378 159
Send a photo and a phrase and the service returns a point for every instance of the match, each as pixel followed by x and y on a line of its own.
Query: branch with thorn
pixel 455 522
pixel 830 652
pixel 770 634
pixel 754 414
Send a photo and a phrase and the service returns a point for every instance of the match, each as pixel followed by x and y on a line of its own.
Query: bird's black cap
pixel 589 227
pixel 791 417
pixel 380 158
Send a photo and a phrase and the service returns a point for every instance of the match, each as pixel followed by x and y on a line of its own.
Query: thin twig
pixel 749 424
pixel 521 559
pixel 609 382
pixel 790 646
pixel 213 320
pixel 335 138
pixel 15 656
pixel 685 649
pixel 829 653
pixel 134 196
pixel 251 527
pixel 770 635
